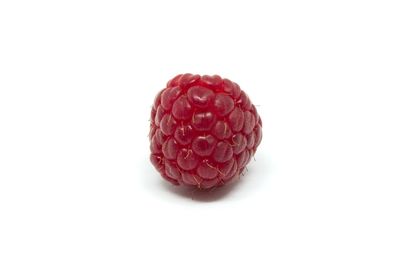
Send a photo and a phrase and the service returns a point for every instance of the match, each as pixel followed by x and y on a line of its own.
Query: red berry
pixel 204 130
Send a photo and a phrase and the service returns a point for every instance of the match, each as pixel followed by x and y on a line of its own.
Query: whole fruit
pixel 204 131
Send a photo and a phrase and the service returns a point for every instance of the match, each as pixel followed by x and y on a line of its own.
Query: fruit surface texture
pixel 204 131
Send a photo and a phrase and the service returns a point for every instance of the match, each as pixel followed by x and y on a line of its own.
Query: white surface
pixel 77 80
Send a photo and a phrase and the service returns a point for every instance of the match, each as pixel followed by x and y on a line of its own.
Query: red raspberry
pixel 203 132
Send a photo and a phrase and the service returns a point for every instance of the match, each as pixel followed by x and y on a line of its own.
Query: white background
pixel 77 80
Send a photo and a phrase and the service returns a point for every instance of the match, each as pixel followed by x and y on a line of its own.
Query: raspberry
pixel 204 130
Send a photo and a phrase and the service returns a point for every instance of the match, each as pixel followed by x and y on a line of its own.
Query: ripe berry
pixel 204 131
